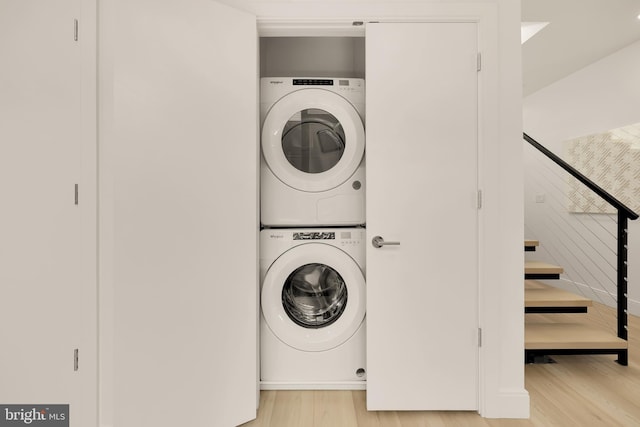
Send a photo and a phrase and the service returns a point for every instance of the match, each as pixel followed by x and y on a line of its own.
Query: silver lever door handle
pixel 379 242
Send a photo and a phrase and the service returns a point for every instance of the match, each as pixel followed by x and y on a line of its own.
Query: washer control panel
pixel 336 237
pixel 276 241
pixel 314 235
pixel 345 238
pixel 348 238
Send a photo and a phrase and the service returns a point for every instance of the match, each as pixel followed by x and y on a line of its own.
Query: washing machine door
pixel 313 297
pixel 313 140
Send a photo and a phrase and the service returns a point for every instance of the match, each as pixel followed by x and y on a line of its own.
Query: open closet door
pixel 179 214
pixel 422 156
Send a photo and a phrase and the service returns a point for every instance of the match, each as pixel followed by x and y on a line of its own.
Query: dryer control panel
pixel 314 82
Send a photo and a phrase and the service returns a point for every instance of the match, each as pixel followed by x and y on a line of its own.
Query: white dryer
pixel 313 141
pixel 312 323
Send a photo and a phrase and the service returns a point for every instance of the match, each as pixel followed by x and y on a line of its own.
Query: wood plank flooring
pixel 580 391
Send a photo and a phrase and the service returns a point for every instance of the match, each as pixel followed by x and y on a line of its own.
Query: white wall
pixel 603 96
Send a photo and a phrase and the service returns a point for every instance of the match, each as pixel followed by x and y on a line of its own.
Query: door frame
pixel 501 372
pixel 87 36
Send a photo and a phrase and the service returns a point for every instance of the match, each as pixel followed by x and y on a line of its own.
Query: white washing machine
pixel 312 163
pixel 312 323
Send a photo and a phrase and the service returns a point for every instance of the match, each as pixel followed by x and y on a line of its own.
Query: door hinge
pixel 75 359
pixel 479 199
pixel 76 195
pixel 479 337
pixel 75 30
pixel 479 62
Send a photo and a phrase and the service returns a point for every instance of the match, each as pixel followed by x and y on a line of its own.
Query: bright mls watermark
pixel 34 415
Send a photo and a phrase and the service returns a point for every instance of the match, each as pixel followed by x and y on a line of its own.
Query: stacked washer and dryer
pixel 312 253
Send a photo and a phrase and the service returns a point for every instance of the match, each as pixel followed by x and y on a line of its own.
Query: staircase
pixel 559 322
pixel 554 335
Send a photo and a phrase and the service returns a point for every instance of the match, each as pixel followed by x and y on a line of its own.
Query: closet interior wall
pixel 312 57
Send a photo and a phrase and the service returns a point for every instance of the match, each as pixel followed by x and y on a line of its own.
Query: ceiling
pixel 579 33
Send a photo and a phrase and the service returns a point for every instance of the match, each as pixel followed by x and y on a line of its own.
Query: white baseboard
pixel 507 404
pixel 344 385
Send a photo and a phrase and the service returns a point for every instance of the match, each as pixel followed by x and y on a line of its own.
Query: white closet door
pixel 47 237
pixel 180 214
pixel 422 315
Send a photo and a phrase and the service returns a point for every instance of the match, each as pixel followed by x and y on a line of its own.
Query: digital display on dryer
pixel 313 82
pixel 314 235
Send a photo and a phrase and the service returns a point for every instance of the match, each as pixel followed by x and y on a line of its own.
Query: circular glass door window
pixel 314 295
pixel 313 140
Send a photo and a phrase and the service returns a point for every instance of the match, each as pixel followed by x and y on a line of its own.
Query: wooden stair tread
pixel 530 245
pixel 539 267
pixel 569 336
pixel 538 294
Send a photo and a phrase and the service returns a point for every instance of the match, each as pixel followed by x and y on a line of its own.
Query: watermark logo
pixel 34 415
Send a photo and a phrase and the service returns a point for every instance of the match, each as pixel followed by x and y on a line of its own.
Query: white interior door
pixel 179 214
pixel 422 330
pixel 47 236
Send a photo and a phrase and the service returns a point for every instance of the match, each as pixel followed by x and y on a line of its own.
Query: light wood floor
pixel 580 391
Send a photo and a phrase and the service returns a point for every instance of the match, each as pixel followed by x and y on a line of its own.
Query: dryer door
pixel 313 297
pixel 313 140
